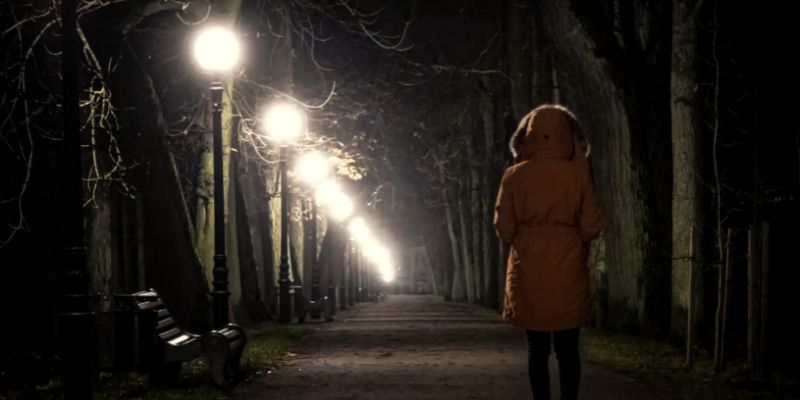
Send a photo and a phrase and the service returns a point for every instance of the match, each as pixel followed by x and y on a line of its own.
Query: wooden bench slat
pixel 165 323
pixel 149 305
pixel 170 334
pixel 181 339
pixel 229 333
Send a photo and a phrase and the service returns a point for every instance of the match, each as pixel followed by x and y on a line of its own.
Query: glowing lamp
pixel 312 167
pixel 284 122
pixel 216 49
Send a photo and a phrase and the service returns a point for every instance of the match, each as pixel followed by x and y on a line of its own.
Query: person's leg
pixel 538 355
pixel 569 362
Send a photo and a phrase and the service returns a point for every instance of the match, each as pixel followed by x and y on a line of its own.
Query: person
pixel 547 209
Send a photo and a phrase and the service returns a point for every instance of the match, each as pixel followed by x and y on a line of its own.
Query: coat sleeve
pixel 505 216
pixel 591 219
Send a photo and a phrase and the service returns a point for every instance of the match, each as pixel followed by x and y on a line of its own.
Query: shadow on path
pixel 420 347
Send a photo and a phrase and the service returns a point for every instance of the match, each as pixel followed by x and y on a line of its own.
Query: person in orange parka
pixel 546 207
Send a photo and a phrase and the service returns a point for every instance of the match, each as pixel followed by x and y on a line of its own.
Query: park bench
pixel 223 351
pixel 147 339
pixel 303 306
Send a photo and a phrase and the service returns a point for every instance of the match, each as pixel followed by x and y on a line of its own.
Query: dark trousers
pixel 569 362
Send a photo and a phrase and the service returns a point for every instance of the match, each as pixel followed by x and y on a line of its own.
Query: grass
pixel 662 365
pixel 267 346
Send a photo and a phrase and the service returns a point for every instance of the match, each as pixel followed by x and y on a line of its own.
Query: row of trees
pixel 417 100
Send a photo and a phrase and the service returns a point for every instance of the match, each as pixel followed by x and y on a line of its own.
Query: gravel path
pixel 419 347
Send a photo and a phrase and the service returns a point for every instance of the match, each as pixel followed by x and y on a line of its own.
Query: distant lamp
pixel 327 192
pixel 387 274
pixel 312 167
pixel 284 122
pixel 341 208
pixel 358 228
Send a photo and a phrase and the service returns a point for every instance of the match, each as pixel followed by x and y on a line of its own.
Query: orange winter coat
pixel 547 209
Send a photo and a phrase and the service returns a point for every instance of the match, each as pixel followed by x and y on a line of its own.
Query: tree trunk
pixel 488 180
pixel 249 306
pixel 475 222
pixel 763 334
pixel 753 299
pixel 722 305
pixel 627 75
pixel 466 255
pixel 686 147
pixel 172 265
pixel 543 88
pixel 457 291
pixel 520 55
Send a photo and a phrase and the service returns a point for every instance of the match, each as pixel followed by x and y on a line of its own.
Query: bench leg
pixel 327 309
pixel 217 368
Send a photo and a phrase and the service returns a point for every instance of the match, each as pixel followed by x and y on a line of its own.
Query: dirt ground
pixel 419 347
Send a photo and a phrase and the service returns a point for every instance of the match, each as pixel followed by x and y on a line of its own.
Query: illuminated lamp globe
pixel 312 167
pixel 216 49
pixel 388 274
pixel 284 122
pixel 341 207
pixel 327 192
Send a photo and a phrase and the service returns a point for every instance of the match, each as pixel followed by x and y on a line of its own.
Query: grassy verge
pixel 267 345
pixel 662 365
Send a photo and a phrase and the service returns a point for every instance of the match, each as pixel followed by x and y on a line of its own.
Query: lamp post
pixel 284 123
pixel 216 50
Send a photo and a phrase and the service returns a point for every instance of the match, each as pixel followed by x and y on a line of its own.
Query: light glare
pixel 216 49
pixel 388 275
pixel 284 122
pixel 358 228
pixel 342 207
pixel 326 192
pixel 312 167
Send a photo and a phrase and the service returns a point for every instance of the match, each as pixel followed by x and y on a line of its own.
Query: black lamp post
pixel 312 241
pixel 284 302
pixel 217 51
pixel 220 294
pixel 76 320
pixel 284 123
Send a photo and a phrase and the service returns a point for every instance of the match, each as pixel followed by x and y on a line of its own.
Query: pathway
pixel 419 347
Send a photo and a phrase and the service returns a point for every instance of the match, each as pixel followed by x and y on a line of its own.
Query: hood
pixel 549 131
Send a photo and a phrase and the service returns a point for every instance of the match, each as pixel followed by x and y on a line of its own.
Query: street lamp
pixel 216 50
pixel 312 168
pixel 340 207
pixel 284 123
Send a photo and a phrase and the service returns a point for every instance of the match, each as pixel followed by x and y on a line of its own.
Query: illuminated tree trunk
pixel 464 235
pixel 172 265
pixel 487 184
pixel 617 60
pixel 244 276
pixel 473 196
pixel 457 290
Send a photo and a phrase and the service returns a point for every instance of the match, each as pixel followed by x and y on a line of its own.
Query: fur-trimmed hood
pixel 556 124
